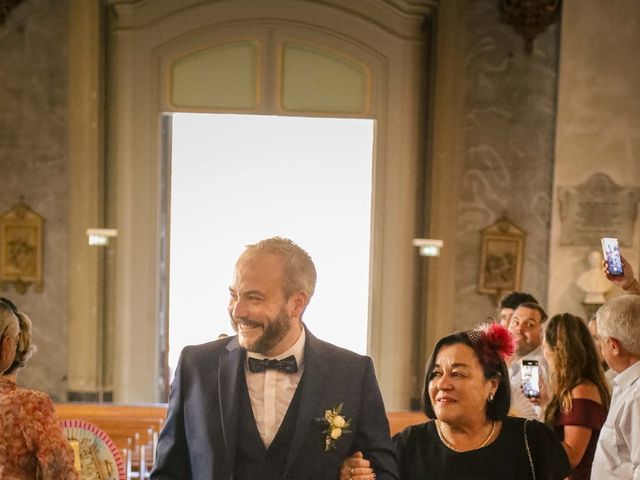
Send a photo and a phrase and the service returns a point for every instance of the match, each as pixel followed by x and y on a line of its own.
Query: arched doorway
pixel 284 57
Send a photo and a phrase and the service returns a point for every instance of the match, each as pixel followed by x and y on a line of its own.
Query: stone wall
pixel 598 130
pixel 507 136
pixel 34 164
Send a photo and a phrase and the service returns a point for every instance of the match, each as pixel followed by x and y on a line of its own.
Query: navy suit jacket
pixel 198 440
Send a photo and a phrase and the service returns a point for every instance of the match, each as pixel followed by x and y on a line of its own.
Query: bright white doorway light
pixel 236 179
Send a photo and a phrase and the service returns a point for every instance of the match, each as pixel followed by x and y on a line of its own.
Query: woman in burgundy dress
pixel 579 397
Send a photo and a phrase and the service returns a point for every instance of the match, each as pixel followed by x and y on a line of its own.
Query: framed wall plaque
pixel 502 255
pixel 597 208
pixel 21 248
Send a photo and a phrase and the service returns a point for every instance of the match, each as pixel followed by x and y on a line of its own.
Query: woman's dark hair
pixel 492 365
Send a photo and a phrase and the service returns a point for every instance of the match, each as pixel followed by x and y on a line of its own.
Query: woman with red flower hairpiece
pixel 467 394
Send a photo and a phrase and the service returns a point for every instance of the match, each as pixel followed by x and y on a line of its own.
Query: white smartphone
pixel 531 378
pixel 611 252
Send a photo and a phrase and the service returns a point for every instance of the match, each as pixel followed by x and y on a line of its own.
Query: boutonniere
pixel 335 425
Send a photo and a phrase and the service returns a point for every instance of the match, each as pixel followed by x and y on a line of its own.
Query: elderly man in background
pixel 609 373
pixel 618 452
pixel 526 328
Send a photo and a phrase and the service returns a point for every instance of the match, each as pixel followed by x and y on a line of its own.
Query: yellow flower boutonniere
pixel 335 425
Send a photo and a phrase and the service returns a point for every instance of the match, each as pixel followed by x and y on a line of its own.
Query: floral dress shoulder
pixel 32 443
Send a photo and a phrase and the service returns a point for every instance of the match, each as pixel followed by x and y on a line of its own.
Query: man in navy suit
pixel 272 401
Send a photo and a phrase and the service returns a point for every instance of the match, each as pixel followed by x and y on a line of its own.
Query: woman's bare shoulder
pixel 587 390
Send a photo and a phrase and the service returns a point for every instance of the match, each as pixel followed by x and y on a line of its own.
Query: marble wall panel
pixel 508 129
pixel 598 126
pixel 34 164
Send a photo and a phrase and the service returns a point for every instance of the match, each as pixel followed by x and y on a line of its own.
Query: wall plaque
pixel 501 260
pixel 595 209
pixel 21 248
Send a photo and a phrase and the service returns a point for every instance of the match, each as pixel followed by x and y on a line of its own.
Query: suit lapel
pixel 229 369
pixel 314 377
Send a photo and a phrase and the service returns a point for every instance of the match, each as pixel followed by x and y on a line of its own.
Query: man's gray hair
pixel 619 318
pixel 299 270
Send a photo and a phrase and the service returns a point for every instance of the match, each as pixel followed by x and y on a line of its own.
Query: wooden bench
pixel 121 421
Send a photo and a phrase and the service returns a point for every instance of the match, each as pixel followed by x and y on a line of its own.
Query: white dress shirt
pixel 520 405
pixel 271 391
pixel 618 452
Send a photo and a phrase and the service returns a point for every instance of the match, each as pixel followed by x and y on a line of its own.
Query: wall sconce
pixel 429 247
pixel 529 17
pixel 99 237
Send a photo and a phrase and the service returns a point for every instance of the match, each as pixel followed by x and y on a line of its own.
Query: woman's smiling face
pixel 458 389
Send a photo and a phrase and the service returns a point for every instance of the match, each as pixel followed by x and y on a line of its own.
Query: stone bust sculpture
pixel 593 280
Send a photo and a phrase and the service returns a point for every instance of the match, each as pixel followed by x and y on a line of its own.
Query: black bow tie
pixel 287 365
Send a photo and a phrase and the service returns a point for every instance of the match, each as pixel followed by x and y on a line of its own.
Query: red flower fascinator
pixel 492 340
pixel 500 339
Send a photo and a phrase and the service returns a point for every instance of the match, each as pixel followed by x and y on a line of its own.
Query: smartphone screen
pixel 531 378
pixel 611 252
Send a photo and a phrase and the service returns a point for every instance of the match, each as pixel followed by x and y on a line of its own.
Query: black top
pixel 423 456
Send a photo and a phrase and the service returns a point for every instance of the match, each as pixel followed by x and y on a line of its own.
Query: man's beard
pixel 272 334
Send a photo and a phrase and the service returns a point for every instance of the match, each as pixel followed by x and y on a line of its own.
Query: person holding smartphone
pixel 626 281
pixel 526 329
pixel 576 401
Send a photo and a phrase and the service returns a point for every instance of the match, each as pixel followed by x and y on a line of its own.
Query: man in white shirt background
pixel 618 452
pixel 526 327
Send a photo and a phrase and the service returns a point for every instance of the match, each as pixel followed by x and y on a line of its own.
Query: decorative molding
pixel 412 7
pixel 119 5
pixel 401 18
pixel 530 17
pixel 408 7
pixel 5 8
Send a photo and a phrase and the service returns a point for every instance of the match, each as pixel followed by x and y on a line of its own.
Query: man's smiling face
pixel 260 313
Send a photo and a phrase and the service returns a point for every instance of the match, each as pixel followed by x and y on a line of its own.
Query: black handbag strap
pixel 526 444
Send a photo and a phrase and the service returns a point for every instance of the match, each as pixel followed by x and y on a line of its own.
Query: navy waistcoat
pixel 252 460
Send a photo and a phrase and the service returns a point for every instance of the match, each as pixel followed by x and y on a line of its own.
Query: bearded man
pixel 273 402
pixel 526 327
